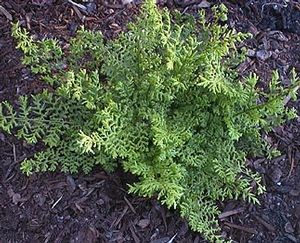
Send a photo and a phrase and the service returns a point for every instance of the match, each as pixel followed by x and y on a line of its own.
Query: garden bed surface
pixel 55 207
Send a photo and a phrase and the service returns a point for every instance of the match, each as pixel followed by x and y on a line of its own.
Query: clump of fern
pixel 163 100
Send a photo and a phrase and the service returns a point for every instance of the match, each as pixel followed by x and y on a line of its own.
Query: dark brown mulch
pixel 275 46
pixel 95 208
pixel 65 208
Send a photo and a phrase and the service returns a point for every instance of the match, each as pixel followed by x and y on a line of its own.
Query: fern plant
pixel 163 100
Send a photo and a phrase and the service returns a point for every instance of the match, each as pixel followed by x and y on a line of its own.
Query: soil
pixel 55 207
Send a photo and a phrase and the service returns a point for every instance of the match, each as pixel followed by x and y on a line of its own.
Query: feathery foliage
pixel 163 100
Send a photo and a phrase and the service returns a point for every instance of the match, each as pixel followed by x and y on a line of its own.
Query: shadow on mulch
pixel 64 208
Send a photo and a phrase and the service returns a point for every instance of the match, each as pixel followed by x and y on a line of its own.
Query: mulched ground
pixel 96 208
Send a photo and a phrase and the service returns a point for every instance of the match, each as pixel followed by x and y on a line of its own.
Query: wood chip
pixel 79 207
pixel 134 236
pixel 204 4
pixel 113 6
pixel 78 5
pixel 291 158
pixel 79 14
pixel 58 200
pixel 246 229
pixel 230 213
pixel 130 205
pixel 14 153
pixel 264 223
pixel 124 2
pixel 171 240
pixel 143 223
pixel 118 220
pixel 6 13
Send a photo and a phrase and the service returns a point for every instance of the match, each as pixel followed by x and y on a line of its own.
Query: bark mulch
pixel 55 207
